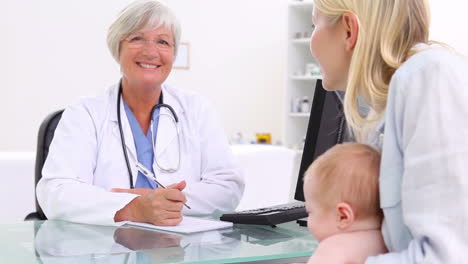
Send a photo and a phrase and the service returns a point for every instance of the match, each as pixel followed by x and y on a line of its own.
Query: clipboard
pixel 188 225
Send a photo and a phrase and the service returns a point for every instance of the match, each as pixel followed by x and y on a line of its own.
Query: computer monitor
pixel 327 127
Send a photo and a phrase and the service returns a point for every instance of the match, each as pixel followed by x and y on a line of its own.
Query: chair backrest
pixel 45 136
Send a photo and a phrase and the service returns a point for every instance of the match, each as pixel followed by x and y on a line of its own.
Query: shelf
pixel 298 84
pixel 301 41
pixel 301 4
pixel 306 78
pixel 291 114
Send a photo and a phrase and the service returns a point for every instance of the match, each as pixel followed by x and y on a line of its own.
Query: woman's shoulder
pixel 431 59
pixel 102 96
pixel 181 93
pixel 95 106
pixel 431 69
pixel 187 99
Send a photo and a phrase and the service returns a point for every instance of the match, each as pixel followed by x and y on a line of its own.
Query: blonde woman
pixel 379 50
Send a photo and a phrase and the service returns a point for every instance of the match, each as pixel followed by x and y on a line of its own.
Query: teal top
pixel 144 145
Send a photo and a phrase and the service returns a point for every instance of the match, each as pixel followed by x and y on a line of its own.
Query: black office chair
pixel 45 136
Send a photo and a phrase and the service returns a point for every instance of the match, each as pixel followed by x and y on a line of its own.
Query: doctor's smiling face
pixel 146 58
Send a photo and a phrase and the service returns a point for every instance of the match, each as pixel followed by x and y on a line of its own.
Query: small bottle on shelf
pixel 305 104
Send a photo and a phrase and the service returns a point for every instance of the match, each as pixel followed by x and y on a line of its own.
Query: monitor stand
pixel 302 221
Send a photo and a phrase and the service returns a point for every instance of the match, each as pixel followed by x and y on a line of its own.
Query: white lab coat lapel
pixel 167 151
pixel 127 131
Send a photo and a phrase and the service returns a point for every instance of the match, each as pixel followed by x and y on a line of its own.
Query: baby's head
pixel 341 190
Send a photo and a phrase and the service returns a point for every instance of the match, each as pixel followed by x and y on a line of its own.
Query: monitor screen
pixel 327 127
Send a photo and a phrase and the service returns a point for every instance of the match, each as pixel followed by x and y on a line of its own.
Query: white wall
pixel 450 24
pixel 238 60
pixel 54 51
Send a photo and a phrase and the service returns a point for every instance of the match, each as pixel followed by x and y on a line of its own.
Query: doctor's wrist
pixel 129 212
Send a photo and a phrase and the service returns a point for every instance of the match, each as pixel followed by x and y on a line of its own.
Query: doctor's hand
pixel 155 206
pixel 139 191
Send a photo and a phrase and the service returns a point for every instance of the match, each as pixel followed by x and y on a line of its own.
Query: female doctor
pixel 91 173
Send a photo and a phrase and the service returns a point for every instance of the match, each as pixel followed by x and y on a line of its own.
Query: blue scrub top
pixel 143 145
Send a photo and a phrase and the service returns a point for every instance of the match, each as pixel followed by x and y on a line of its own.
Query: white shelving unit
pixel 301 4
pixel 298 84
pixel 292 114
pixel 305 78
pixel 304 41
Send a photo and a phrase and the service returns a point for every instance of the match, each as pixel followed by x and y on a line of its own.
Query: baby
pixel 342 198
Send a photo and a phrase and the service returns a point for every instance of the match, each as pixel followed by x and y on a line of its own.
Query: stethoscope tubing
pixel 122 138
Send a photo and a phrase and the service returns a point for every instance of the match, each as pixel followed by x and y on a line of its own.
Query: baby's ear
pixel 344 215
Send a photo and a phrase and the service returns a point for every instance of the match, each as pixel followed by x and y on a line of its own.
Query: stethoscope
pixel 175 121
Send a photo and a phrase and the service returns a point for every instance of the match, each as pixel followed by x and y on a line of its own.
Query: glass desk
pixel 64 242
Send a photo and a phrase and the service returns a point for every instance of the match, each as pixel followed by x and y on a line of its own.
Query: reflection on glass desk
pixel 65 242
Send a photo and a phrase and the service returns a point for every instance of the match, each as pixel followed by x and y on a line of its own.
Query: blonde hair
pixel 347 173
pixel 388 29
pixel 139 16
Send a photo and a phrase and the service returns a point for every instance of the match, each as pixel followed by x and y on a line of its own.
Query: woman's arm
pixel 429 111
pixel 222 184
pixel 66 190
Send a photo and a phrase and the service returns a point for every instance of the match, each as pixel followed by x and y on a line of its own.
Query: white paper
pixel 188 225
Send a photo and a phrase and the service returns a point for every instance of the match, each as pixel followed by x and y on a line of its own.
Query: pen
pixel 150 175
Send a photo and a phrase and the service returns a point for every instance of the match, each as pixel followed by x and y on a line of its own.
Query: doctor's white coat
pixel 86 159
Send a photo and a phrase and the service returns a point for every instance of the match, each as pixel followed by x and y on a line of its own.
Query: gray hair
pixel 141 15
